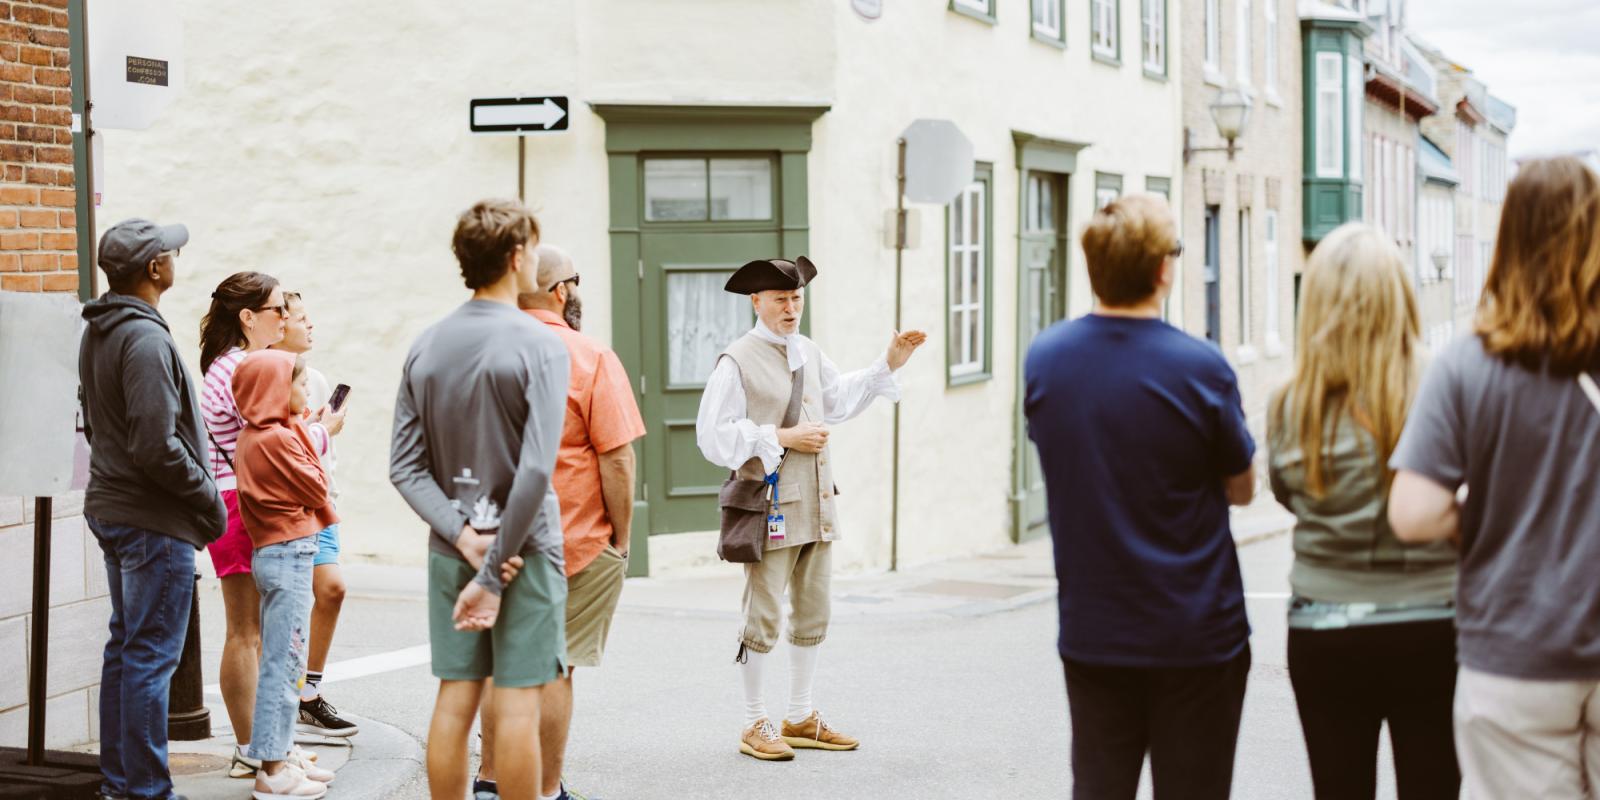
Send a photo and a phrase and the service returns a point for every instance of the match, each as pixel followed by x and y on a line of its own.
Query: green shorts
pixel 527 645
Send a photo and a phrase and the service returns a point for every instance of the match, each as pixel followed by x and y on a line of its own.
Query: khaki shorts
pixel 1527 738
pixel 592 597
pixel 527 645
pixel 806 572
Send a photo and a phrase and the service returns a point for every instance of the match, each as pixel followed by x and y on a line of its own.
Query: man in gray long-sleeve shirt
pixel 476 429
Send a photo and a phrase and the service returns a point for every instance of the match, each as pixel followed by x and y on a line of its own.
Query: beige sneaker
pixel 761 741
pixel 814 733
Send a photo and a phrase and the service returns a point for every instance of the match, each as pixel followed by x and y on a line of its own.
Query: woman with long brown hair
pixel 247 314
pixel 1511 415
pixel 1371 631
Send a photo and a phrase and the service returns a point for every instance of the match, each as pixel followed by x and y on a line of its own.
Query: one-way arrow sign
pixel 521 115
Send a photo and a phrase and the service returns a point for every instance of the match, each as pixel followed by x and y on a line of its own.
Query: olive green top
pixel 1344 551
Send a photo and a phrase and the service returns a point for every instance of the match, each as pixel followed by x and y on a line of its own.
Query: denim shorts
pixel 327 546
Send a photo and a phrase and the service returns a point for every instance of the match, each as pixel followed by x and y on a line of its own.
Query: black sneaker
pixel 319 718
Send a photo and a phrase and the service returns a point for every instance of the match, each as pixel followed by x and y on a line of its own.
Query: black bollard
pixel 188 719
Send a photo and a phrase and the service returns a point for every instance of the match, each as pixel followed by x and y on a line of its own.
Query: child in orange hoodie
pixel 283 497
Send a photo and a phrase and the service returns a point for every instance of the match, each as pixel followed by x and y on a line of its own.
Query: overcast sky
pixel 1542 56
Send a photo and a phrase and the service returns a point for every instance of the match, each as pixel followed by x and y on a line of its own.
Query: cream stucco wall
pixel 328 145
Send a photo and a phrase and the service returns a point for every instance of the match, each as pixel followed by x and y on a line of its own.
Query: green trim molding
pixel 1040 153
pixel 1060 39
pixel 1329 202
pixel 972 13
pixel 982 172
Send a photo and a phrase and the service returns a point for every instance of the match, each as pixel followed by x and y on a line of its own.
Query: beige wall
pixel 338 163
pixel 1271 152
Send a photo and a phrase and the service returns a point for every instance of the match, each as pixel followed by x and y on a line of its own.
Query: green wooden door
pixel 695 191
pixel 1042 302
pixel 687 321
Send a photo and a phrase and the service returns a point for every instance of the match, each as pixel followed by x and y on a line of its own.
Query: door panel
pixel 687 320
pixel 1042 303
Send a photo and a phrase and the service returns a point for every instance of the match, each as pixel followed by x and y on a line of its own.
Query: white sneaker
pixel 289 784
pixel 302 759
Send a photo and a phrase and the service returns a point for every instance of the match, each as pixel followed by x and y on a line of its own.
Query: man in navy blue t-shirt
pixel 1143 442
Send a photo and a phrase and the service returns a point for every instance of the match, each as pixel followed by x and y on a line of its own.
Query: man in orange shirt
pixel 594 482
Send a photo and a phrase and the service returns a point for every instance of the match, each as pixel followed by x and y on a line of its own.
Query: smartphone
pixel 340 392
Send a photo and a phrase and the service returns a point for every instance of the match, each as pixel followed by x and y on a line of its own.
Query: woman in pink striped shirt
pixel 247 314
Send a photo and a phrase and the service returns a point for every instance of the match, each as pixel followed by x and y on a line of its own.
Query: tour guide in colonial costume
pixel 765 415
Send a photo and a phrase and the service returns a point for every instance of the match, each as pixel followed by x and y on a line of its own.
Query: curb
pixel 384 759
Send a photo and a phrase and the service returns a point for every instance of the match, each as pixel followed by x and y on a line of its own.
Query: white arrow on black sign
pixel 521 115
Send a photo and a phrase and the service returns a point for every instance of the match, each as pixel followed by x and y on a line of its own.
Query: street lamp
pixel 1229 112
pixel 1441 259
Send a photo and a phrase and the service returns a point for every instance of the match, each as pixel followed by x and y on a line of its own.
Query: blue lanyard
pixel 772 483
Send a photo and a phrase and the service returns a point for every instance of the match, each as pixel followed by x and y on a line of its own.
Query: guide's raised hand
pixel 902 345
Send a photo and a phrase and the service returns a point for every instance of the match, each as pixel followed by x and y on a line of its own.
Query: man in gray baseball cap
pixel 151 502
pixel 132 250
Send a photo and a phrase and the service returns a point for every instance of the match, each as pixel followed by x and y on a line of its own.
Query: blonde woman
pixel 1513 413
pixel 1371 623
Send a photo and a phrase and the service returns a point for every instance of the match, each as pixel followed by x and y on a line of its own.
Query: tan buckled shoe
pixel 762 741
pixel 814 733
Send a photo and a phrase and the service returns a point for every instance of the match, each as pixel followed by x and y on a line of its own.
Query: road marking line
pixel 364 666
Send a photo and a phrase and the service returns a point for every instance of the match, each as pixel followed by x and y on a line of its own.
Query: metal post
pixel 522 169
pixel 88 157
pixel 188 719
pixel 38 666
pixel 899 257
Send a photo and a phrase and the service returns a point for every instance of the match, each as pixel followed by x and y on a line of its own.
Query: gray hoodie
pixel 147 451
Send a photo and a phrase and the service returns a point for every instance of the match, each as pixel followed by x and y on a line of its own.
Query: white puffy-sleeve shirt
pixel 728 438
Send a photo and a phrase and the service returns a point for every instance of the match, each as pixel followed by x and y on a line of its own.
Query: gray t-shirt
pixel 1527 444
pixel 477 424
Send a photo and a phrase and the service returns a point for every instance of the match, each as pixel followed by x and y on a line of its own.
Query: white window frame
pixel 1105 17
pixel 1270 239
pixel 1042 28
pixel 1269 55
pixel 1153 35
pixel 1243 47
pixel 1213 37
pixel 1330 89
pixel 1355 115
pixel 966 357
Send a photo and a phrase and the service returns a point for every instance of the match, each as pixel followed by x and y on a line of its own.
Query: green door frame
pixel 633 130
pixel 1034 153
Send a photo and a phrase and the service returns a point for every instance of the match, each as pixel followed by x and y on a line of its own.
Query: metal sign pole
pixel 38 669
pixel 522 169
pixel 899 258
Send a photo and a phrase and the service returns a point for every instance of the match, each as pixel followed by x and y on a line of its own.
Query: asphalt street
pixel 946 706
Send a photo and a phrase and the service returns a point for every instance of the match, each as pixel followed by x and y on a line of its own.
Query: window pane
pixel 1357 99
pixel 957 216
pixel 975 278
pixel 674 189
pixel 701 320
pixel 741 188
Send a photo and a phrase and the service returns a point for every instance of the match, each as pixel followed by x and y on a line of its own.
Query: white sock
pixel 754 706
pixel 802 674
pixel 550 796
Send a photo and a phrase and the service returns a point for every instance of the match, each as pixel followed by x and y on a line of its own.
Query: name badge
pixel 775 529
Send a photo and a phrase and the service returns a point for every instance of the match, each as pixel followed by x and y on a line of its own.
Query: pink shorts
pixel 231 554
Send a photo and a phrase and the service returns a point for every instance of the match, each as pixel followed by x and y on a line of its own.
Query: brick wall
pixel 38 252
pixel 38 239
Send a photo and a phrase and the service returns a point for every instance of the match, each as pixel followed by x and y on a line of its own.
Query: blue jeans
pixel 151 580
pixel 283 577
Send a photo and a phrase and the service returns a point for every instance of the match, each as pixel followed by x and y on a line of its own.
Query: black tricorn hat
pixel 771 273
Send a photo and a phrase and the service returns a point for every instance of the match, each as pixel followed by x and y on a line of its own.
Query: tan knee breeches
pixel 806 571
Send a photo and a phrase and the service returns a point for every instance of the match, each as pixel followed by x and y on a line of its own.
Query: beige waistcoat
pixel 805 482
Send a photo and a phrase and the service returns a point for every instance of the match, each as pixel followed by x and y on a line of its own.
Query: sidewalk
pixel 369 765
